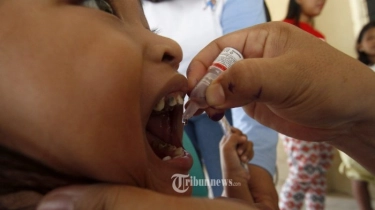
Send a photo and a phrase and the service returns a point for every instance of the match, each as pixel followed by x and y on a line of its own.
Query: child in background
pixel 366 45
pixel 359 176
pixel 308 161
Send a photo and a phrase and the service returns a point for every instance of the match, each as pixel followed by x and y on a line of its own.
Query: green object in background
pixel 371 9
pixel 197 169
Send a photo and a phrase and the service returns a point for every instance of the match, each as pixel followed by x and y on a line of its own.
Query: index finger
pixel 250 42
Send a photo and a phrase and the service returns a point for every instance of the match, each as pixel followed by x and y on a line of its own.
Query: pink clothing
pixel 308 28
pixel 308 163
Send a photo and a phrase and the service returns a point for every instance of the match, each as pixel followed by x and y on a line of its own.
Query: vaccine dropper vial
pixel 197 98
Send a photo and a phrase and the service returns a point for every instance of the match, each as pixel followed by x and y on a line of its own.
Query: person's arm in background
pixel 236 15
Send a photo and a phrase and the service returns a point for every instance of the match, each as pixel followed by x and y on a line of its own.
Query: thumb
pixel 75 197
pixel 250 80
pixel 93 197
pixel 119 197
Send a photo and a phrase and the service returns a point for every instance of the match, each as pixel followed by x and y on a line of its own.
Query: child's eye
pixel 99 4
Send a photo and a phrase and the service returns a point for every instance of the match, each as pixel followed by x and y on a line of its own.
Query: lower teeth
pixel 167 158
pixel 173 151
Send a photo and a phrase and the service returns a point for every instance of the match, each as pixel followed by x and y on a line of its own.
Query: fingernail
pixel 57 201
pixel 217 116
pixel 240 151
pixel 215 95
pixel 244 158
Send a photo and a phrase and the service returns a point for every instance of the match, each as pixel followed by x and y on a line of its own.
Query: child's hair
pixel 294 12
pixel 362 56
pixel 20 173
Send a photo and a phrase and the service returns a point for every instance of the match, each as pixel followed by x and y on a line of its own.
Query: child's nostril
pixel 167 58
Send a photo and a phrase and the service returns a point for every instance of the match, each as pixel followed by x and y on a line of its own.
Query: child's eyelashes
pixel 99 4
pixel 155 30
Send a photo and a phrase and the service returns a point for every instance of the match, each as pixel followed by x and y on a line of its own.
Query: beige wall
pixel 336 21
pixel 340 22
pixel 337 24
pixel 277 9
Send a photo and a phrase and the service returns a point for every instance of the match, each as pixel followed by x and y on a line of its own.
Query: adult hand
pixel 289 81
pixel 296 84
pixel 117 197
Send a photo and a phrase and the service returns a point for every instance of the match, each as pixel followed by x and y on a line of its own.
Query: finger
pixel 233 142
pixel 246 150
pixel 241 145
pixel 249 150
pixel 101 197
pixel 75 197
pixel 215 114
pixel 235 130
pixel 224 141
pixel 253 80
pixel 255 36
pixel 119 197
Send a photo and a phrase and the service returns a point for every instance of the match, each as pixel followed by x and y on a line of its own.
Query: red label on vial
pixel 220 66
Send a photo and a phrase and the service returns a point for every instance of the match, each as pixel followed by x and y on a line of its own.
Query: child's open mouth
pixel 164 128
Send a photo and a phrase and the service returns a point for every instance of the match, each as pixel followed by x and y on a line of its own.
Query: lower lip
pixel 184 162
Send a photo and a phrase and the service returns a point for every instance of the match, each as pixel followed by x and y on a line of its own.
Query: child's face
pixel 367 44
pixel 78 87
pixel 311 8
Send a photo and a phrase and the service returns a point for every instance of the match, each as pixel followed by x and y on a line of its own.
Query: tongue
pixel 160 126
pixel 167 126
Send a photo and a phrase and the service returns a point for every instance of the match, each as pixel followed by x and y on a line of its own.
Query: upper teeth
pixel 172 100
pixel 180 100
pixel 160 105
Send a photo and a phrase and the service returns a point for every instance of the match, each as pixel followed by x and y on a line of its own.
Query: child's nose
pixel 168 51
